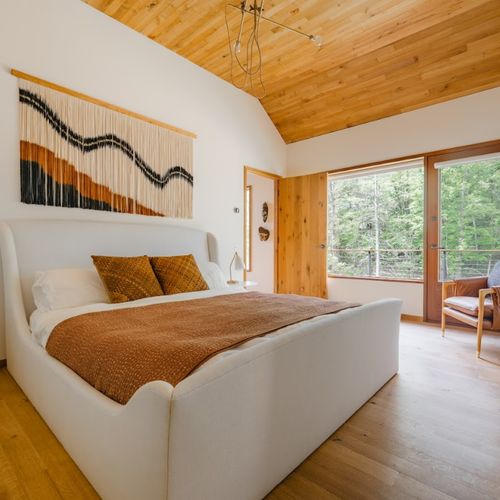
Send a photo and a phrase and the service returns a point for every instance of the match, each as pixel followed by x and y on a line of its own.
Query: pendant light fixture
pixel 246 54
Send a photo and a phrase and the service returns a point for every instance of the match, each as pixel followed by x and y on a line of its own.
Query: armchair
pixel 474 301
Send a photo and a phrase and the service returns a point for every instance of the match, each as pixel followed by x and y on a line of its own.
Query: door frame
pixel 275 177
pixel 432 285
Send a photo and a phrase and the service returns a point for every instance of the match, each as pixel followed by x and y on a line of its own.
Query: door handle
pixel 436 247
pixel 322 246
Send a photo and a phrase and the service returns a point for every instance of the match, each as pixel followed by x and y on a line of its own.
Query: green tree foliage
pixel 375 225
pixel 470 218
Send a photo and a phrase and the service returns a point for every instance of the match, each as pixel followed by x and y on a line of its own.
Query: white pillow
pixel 213 275
pixel 63 288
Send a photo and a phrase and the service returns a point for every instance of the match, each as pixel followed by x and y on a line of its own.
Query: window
pixel 375 222
pixel 247 252
pixel 469 192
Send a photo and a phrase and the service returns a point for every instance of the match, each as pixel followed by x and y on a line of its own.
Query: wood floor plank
pixel 298 488
pixel 10 485
pixel 433 432
pixel 25 462
pixel 39 447
pixel 62 471
pixel 440 476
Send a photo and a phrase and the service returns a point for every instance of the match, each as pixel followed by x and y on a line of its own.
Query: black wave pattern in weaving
pixel 37 187
pixel 87 144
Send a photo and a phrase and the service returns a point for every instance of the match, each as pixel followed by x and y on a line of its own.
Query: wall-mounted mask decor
pixel 264 233
pixel 265 211
pixel 78 154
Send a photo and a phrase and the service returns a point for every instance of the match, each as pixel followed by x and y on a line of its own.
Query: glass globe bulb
pixel 317 40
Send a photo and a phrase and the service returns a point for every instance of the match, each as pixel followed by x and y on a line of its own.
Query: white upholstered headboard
pixel 50 244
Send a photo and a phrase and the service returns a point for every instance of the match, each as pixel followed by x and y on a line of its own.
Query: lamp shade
pixel 238 263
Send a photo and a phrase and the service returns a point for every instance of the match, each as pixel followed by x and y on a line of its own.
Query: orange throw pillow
pixel 178 274
pixel 127 278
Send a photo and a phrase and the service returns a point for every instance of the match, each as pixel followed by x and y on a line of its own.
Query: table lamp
pixel 238 266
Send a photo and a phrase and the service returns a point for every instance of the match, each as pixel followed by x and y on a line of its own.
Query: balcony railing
pixel 455 263
pixel 403 263
pixel 407 263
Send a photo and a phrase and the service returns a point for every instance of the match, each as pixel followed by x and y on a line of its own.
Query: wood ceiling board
pixel 380 57
pixel 463 57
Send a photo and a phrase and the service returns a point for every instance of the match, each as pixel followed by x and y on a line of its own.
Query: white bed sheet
pixel 43 322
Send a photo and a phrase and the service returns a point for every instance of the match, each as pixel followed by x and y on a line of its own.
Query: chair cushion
pixel 494 276
pixel 470 305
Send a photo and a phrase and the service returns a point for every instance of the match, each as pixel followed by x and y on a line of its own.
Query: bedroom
pixel 382 83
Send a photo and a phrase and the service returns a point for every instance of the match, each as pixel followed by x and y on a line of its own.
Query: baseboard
pixel 412 318
pixel 3 363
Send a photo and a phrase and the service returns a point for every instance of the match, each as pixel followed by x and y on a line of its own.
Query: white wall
pixel 262 251
pixel 467 120
pixel 69 43
pixel 352 290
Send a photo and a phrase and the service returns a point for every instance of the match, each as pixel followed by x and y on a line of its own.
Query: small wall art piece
pixel 265 211
pixel 75 153
pixel 264 233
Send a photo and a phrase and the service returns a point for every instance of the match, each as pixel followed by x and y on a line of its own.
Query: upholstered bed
pixel 232 429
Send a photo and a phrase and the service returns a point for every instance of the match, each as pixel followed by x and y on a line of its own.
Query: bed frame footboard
pixel 239 430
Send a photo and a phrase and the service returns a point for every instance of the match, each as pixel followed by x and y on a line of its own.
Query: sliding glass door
pixel 463 219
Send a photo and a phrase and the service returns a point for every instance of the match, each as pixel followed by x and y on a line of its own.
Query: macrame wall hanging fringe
pixel 75 153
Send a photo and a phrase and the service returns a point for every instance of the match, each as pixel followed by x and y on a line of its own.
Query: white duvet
pixel 43 322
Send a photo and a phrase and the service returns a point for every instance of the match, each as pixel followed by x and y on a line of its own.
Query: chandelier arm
pixel 281 25
pixel 242 87
pixel 243 8
pixel 260 75
pixel 254 40
pixel 247 68
pixel 253 50
pixel 236 57
pixel 251 43
pixel 256 37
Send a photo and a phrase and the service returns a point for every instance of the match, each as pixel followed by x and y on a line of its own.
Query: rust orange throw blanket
pixel 119 351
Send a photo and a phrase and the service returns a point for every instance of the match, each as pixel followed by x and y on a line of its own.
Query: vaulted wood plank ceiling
pixel 379 58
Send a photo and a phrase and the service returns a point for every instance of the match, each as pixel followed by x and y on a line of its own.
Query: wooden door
pixel 302 208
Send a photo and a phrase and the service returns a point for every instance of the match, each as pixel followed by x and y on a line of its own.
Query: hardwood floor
pixel 433 432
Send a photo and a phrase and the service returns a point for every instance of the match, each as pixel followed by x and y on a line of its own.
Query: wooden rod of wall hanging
pixel 104 104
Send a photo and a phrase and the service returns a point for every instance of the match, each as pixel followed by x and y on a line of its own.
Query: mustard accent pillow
pixel 127 278
pixel 178 274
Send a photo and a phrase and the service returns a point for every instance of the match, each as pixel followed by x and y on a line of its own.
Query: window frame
pixel 247 224
pixel 372 168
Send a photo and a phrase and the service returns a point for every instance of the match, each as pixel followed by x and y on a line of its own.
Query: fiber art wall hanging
pixel 75 153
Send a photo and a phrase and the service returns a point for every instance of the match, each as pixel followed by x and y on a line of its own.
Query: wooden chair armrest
pixel 448 289
pixel 483 293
